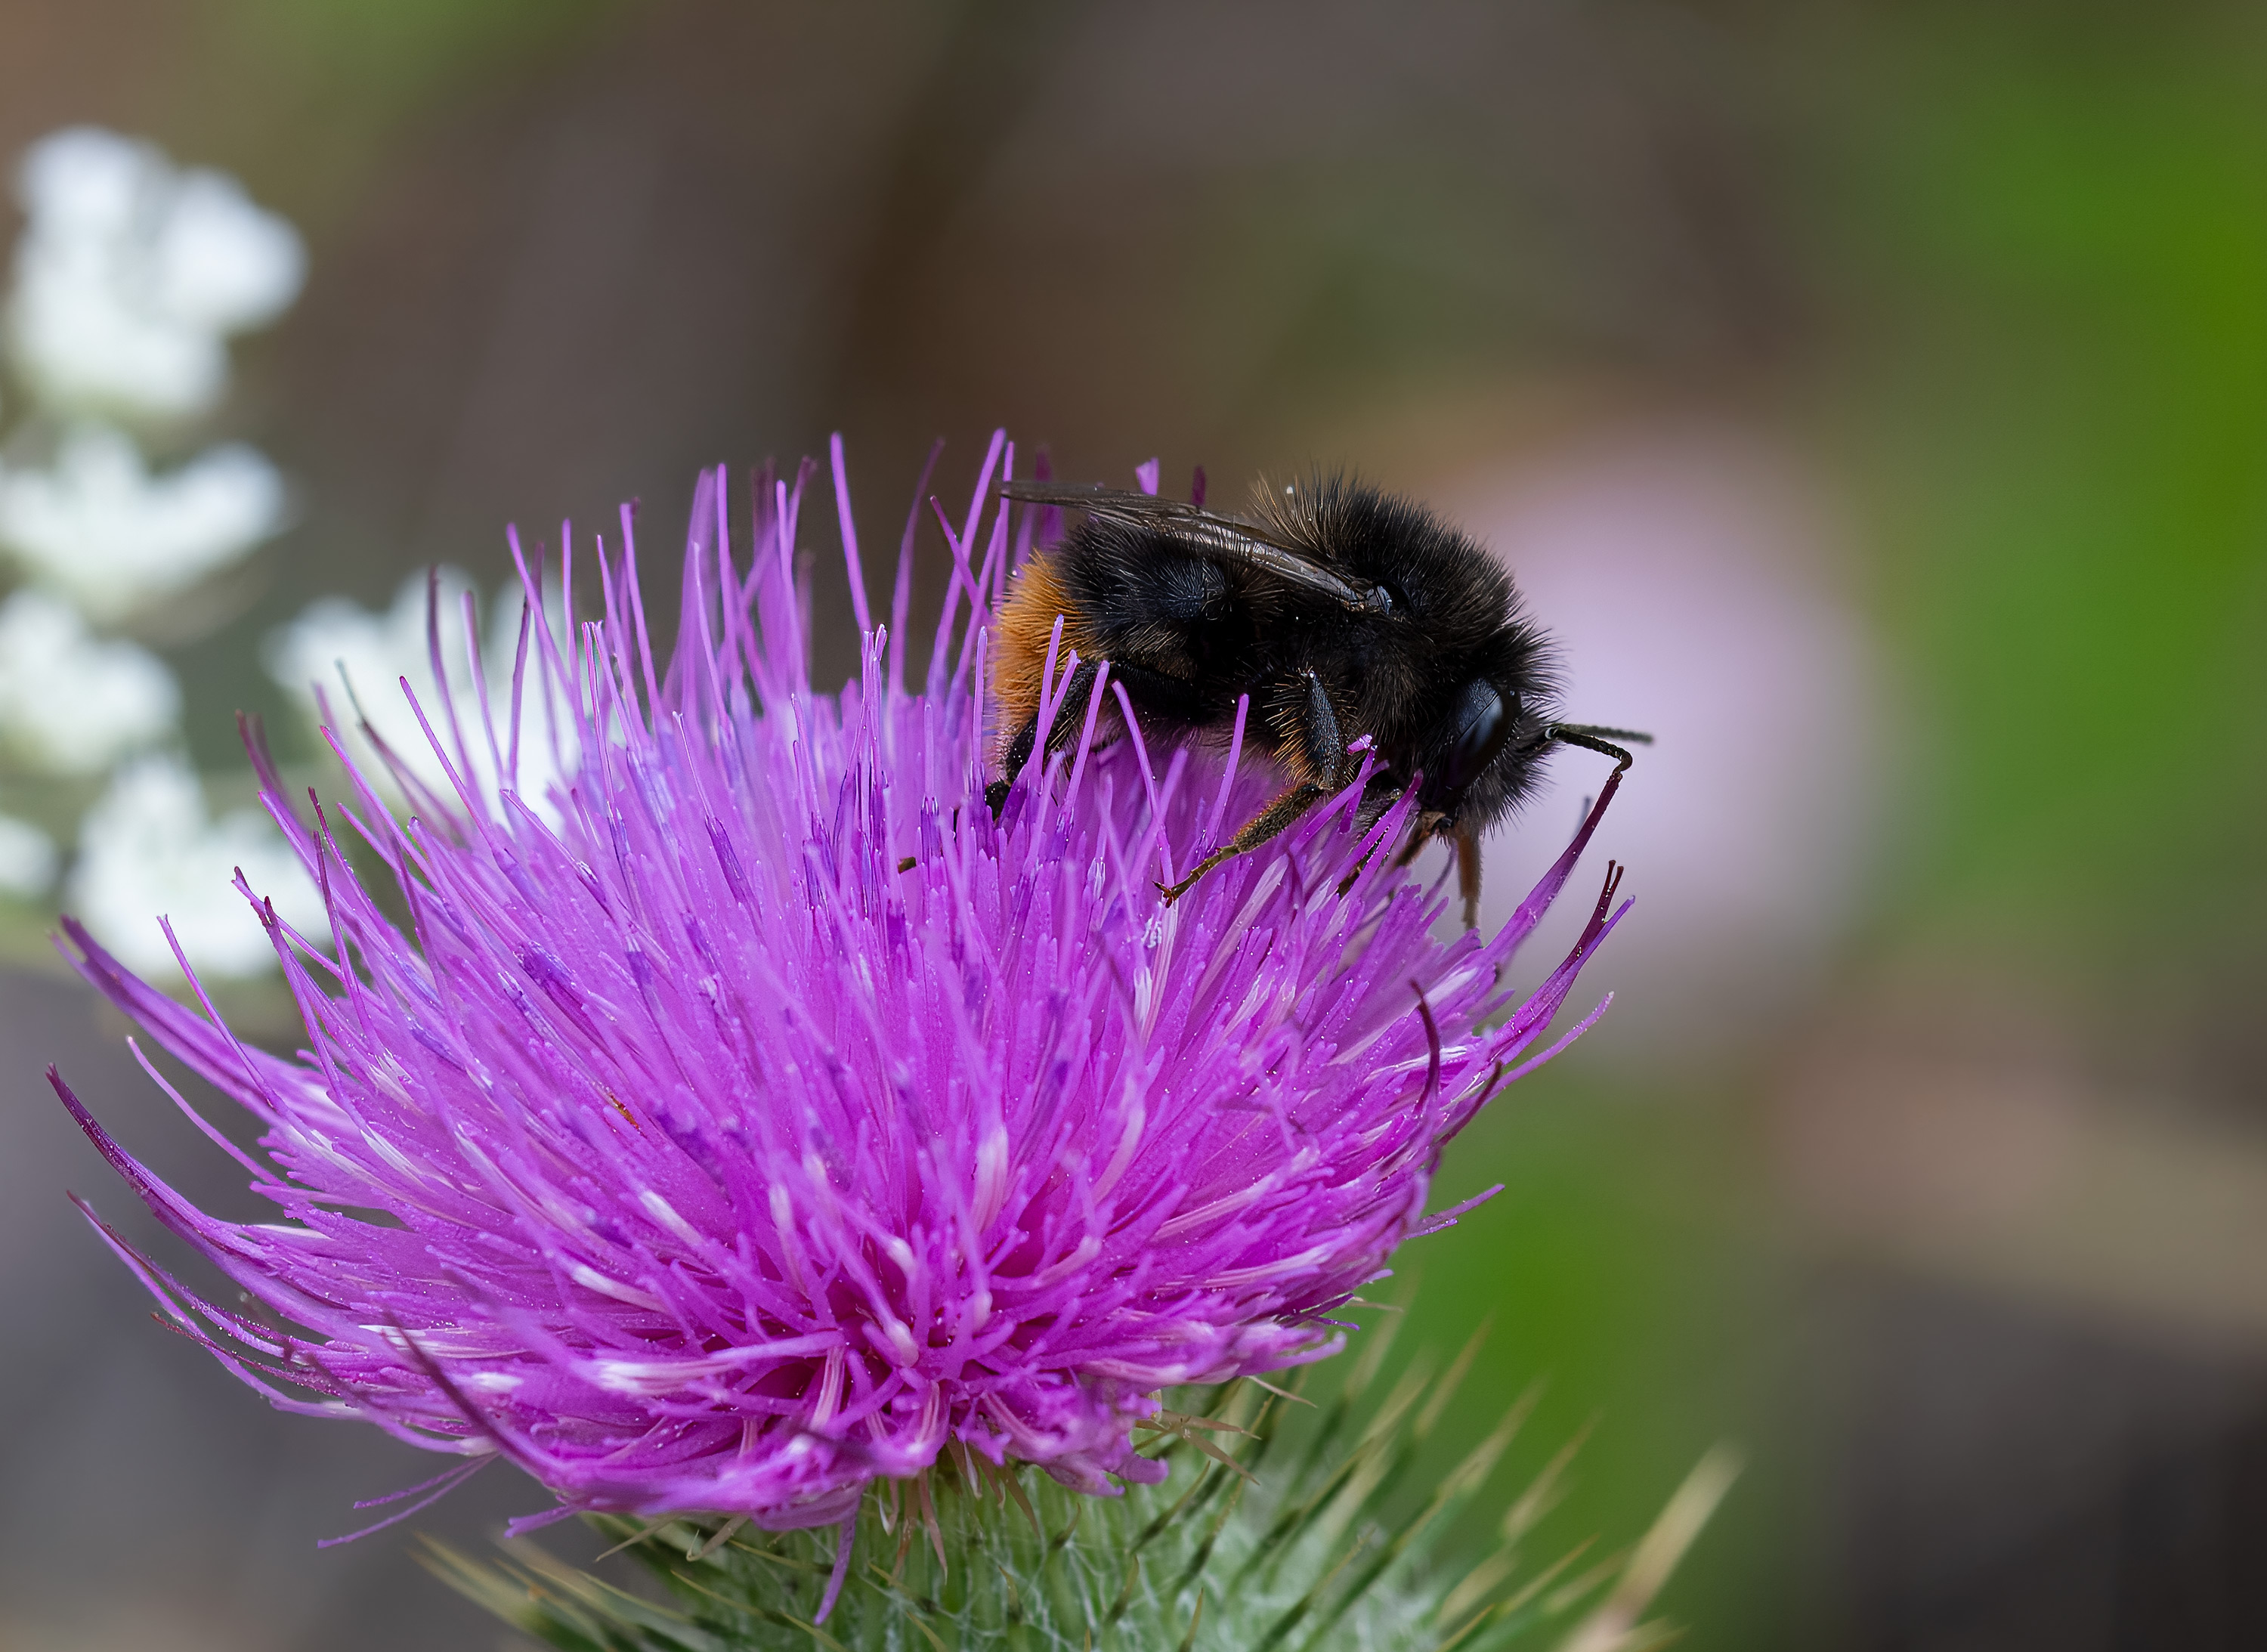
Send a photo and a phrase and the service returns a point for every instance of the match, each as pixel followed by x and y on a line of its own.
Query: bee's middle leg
pixel 1316 752
pixel 1289 803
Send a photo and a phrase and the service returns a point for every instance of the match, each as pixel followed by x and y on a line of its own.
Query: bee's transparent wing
pixel 1229 538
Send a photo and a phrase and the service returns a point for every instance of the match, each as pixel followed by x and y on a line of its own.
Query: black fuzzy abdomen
pixel 1161 611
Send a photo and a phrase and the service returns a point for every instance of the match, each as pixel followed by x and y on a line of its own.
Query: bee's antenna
pixel 1591 738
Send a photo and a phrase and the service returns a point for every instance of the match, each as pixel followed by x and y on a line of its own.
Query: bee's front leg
pixel 1468 873
pixel 1423 830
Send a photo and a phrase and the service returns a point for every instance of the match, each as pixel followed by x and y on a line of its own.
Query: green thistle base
pixel 1267 1535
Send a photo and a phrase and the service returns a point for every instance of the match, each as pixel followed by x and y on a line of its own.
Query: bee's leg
pixel 1316 748
pixel 1070 718
pixel 1467 874
pixel 1315 752
pixel 1423 830
pixel 1293 801
pixel 1018 753
pixel 1070 715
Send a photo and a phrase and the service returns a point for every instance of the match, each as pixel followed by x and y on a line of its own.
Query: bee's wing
pixel 1229 538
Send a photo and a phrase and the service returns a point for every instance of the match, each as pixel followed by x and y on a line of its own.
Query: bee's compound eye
pixel 1381 599
pixel 1482 727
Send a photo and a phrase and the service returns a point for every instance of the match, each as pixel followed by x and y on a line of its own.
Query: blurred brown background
pixel 1875 396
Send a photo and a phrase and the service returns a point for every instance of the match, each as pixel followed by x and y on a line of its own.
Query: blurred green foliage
pixel 1628 1268
pixel 2051 233
pixel 341 79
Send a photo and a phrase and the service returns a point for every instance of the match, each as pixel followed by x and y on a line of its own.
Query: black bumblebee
pixel 1340 610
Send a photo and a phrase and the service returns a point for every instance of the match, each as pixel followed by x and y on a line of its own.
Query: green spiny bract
pixel 1271 1536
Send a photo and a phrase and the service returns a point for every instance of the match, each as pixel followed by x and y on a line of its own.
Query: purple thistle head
pixel 751 1115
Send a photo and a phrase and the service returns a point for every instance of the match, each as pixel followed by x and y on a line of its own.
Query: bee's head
pixel 1483 754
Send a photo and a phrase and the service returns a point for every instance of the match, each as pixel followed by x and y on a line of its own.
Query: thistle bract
pixel 753 1115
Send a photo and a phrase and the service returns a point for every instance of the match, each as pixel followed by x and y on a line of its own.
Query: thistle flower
pixel 761 1117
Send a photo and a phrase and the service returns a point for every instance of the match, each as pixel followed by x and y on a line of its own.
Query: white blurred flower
pixel 223 263
pixel 336 644
pixel 71 702
pixel 129 275
pixel 148 850
pixel 27 858
pixel 102 530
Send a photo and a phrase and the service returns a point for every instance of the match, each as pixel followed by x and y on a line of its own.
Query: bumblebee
pixel 1341 611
